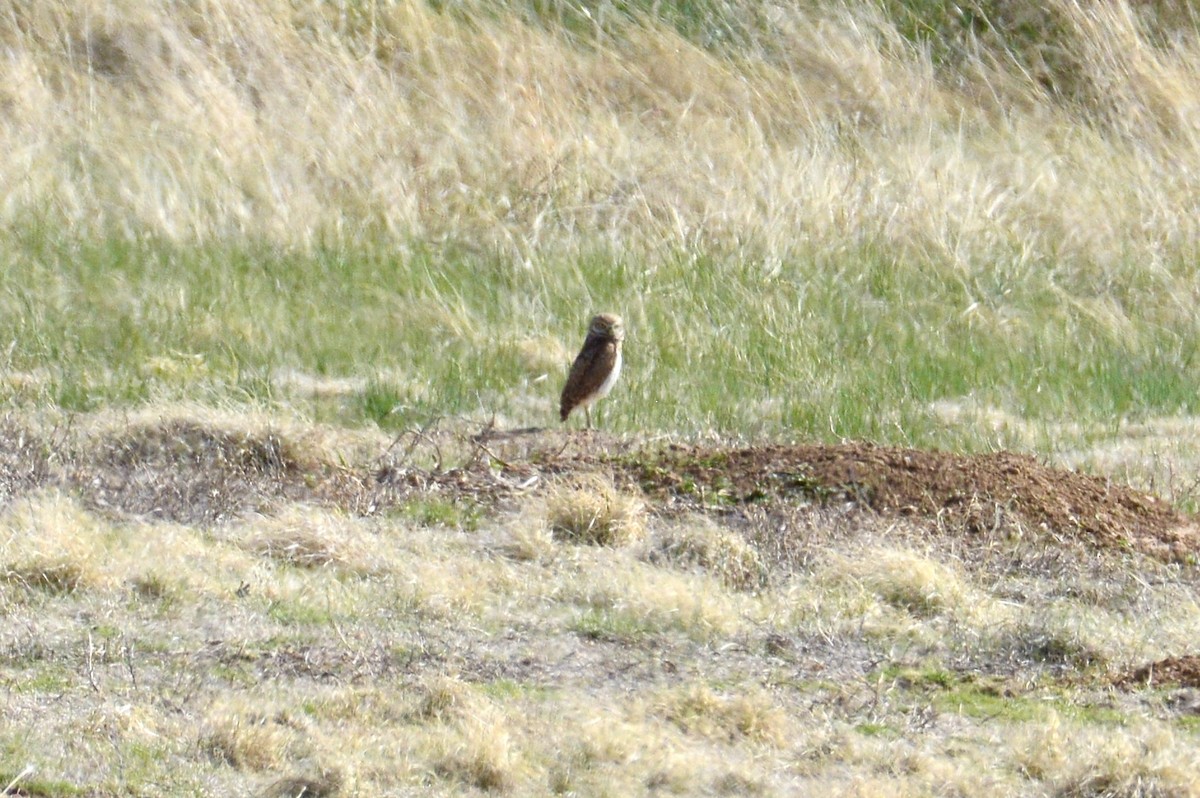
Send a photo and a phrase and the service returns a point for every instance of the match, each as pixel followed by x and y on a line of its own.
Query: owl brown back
pixel 596 366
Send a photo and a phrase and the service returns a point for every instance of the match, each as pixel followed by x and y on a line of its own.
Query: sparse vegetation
pixel 698 710
pixel 286 293
pixel 768 647
pixel 698 542
pixel 595 512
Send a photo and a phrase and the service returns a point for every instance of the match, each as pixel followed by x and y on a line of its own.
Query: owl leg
pixel 587 413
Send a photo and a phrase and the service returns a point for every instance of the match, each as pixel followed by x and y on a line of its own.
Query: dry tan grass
pixel 698 541
pixel 310 537
pixel 1149 759
pixel 311 645
pixel 624 595
pixel 445 698
pixel 836 128
pixel 911 583
pixel 697 709
pixel 592 510
pixel 530 540
pixel 175 427
pixel 470 742
pixel 246 742
pixel 48 542
pixel 478 753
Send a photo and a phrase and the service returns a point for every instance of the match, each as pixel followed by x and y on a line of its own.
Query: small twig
pixel 520 487
pixel 492 454
pixel 566 443
pixel 418 435
pixel 529 483
pixel 437 450
pixel 482 435
pixel 422 434
pixel 392 445
pixel 28 771
pixel 336 627
pixel 91 674
pixel 129 664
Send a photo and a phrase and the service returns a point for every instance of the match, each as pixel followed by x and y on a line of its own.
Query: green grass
pixel 986 698
pixel 817 221
pixel 855 348
pixel 39 788
pixel 435 511
pixel 298 614
pixel 615 626
pixel 49 680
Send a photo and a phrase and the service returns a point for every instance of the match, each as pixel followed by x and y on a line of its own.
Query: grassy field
pixel 361 226
pixel 818 223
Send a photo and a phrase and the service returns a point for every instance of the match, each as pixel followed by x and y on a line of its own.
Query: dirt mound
pixel 1173 671
pixel 192 472
pixel 974 490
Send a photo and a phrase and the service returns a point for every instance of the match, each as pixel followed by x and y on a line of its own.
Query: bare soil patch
pixel 1182 671
pixel 973 492
pixel 192 473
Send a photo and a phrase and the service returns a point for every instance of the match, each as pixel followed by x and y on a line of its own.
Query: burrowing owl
pixel 596 367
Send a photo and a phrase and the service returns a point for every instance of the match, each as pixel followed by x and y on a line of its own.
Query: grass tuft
pixel 593 511
pixel 246 741
pixel 308 537
pixel 699 542
pixel 326 783
pixel 482 760
pixel 443 699
pixel 49 543
pixel 1148 759
pixel 529 540
pixel 913 583
pixel 156 587
pixel 474 746
pixel 696 709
